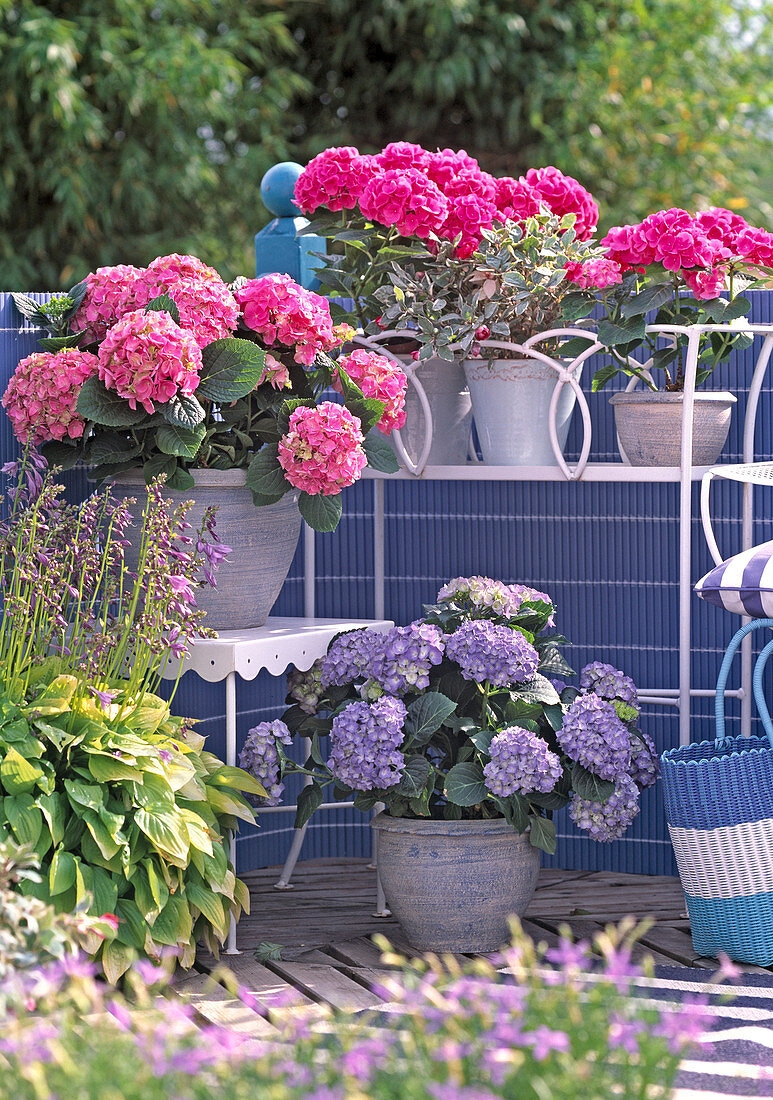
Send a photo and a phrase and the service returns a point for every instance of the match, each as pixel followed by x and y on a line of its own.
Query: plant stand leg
pixel 230 756
pixel 283 883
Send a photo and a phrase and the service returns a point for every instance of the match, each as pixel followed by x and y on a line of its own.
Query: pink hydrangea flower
pixel 110 292
pixel 275 373
pixel 335 179
pixel 628 247
pixel 407 199
pixel 721 225
pixel 322 451
pixel 676 241
pixel 377 377
pixel 402 154
pixel 595 274
pixel 148 358
pixel 564 195
pixel 515 199
pixel 207 307
pixel 283 312
pixel 471 182
pixel 445 164
pixel 755 246
pixel 41 396
pixel 468 216
pixel 705 284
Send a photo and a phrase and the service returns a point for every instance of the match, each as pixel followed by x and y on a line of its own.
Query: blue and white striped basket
pixel 719 808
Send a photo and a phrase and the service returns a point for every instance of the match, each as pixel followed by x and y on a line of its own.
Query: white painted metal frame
pixel 684 474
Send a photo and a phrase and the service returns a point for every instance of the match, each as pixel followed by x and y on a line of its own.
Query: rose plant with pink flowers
pixel 169 369
pixel 675 268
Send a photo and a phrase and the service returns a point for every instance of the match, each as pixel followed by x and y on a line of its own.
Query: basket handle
pixel 724 672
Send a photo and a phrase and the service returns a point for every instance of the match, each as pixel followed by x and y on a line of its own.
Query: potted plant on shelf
pixel 453 724
pixel 401 206
pixel 688 270
pixel 125 811
pixel 169 371
pixel 481 310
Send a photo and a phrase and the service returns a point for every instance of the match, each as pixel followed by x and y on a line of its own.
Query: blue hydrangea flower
pixel 365 744
pixel 260 758
pixel 644 768
pixel 306 687
pixel 485 593
pixel 609 683
pixel 487 651
pixel 605 821
pixel 521 762
pixel 349 656
pixel 594 736
pixel 406 657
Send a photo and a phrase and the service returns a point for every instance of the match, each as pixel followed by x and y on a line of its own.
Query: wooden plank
pixel 361 952
pixel 326 985
pixel 677 946
pixel 263 984
pixel 216 1006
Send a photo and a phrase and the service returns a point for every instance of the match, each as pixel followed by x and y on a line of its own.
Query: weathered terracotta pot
pixel 649 426
pixel 453 884
pixel 263 542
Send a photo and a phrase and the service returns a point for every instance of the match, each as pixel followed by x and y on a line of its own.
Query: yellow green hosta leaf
pixel 107 769
pixel 61 874
pixel 153 789
pixel 224 802
pixel 107 844
pixel 176 769
pixel 56 810
pixel 237 779
pixel 166 830
pixel 158 887
pixel 24 817
pixel 198 831
pixel 209 904
pixel 174 924
pixel 132 926
pixel 18 775
pixel 116 960
pixel 242 895
pixel 55 699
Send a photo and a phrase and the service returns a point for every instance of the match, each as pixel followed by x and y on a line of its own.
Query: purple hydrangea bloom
pixel 260 758
pixel 349 656
pixel 483 592
pixel 306 687
pixel 608 820
pixel 404 662
pixel 644 769
pixel 594 736
pixel 522 593
pixel 365 741
pixel 609 683
pixel 487 651
pixel 521 762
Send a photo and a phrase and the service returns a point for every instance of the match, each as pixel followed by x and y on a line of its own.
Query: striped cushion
pixel 743 584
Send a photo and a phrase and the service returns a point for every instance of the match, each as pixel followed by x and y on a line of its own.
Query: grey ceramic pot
pixel 453 884
pixel 263 542
pixel 449 399
pixel 649 426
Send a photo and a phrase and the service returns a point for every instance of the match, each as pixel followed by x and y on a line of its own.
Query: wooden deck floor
pixel 325 922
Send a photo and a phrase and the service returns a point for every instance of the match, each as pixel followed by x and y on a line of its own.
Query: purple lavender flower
pixel 521 762
pixel 644 769
pixel 404 662
pixel 306 687
pixel 261 757
pixel 609 683
pixel 487 651
pixel 349 657
pixel 594 736
pixel 605 821
pixel 364 744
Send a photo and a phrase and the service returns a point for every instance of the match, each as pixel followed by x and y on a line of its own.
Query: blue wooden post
pixel 278 248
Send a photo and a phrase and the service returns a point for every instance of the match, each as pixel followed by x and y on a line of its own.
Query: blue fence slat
pixel 608 553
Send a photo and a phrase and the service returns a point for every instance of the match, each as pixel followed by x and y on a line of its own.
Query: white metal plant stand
pixel 282 642
pixel 584 470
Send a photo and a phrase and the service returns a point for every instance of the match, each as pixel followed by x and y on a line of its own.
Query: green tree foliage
pixel 136 127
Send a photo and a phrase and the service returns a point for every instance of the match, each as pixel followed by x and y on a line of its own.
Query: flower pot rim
pixel 428 826
pixel 204 478
pixel 662 397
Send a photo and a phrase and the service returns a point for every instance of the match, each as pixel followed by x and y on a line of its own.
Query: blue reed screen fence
pixel 607 553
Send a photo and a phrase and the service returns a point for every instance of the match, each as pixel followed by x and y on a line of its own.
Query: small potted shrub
pixel 680 269
pixel 405 205
pixel 166 370
pixel 454 724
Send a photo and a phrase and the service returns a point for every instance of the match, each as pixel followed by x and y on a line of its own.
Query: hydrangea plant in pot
pixel 124 809
pixel 166 370
pixel 401 206
pixel 680 269
pixel 454 724
pixel 483 308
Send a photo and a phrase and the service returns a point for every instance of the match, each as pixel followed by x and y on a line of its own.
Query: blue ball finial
pixel 277 187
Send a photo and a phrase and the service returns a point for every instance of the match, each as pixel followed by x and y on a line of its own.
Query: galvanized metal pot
pixel 449 401
pixel 511 400
pixel 649 426
pixel 453 884
pixel 263 542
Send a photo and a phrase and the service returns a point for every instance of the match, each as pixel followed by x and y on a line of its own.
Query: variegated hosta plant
pixel 126 812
